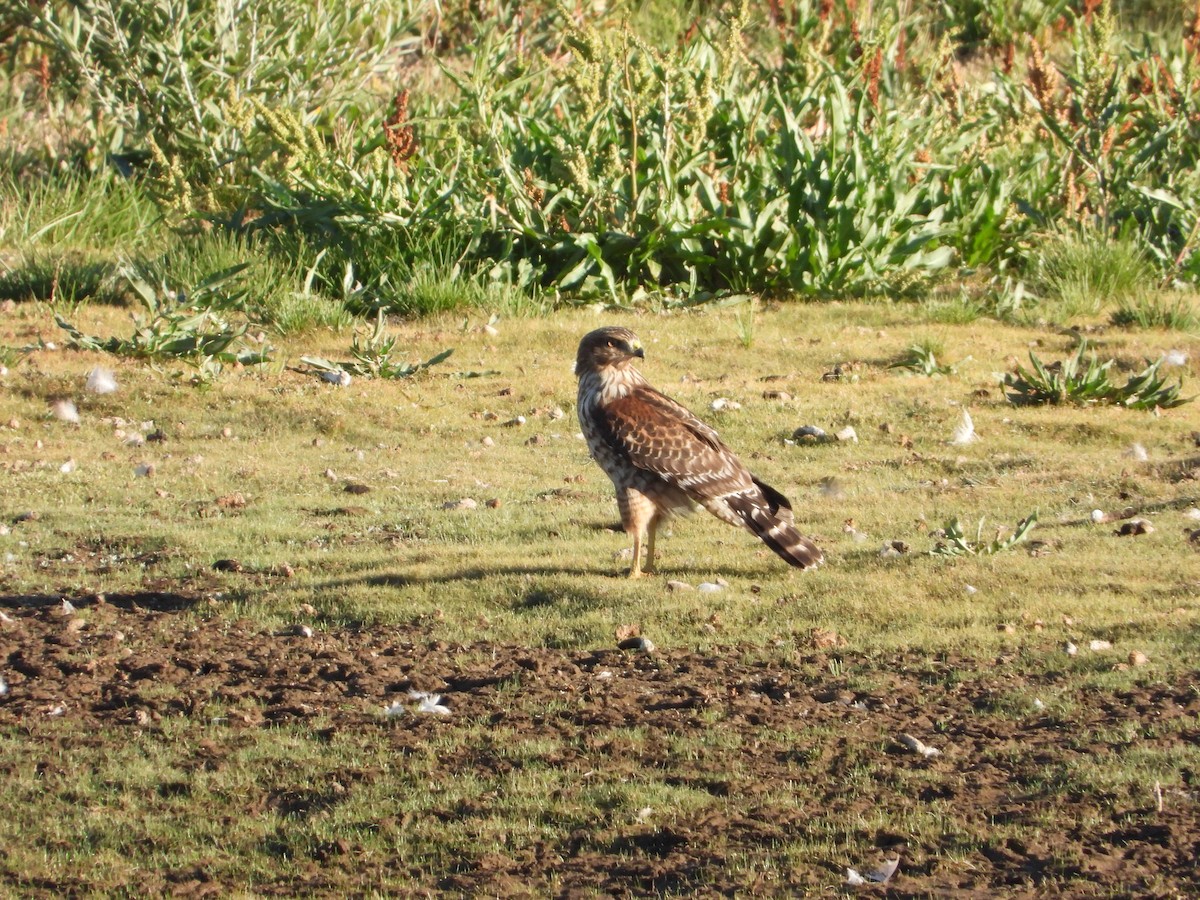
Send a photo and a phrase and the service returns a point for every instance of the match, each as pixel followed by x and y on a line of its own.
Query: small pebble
pixel 1134 527
pixel 641 644
pixel 810 434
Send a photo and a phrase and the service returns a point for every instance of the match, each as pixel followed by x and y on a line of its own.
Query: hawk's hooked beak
pixel 638 351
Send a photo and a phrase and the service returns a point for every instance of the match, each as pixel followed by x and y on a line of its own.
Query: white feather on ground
pixel 101 381
pixel 964 432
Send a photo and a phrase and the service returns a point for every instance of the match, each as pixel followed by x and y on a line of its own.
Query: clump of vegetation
pixel 921 359
pixel 836 151
pixel 373 357
pixel 1158 312
pixel 1079 275
pixel 193 326
pixel 957 544
pixel 1083 379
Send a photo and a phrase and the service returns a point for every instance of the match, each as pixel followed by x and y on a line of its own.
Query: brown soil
pixel 799 741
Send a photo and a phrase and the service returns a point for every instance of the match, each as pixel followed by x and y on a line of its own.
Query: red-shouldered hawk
pixel 663 460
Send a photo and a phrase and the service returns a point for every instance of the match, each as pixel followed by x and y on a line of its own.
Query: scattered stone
pixel 919 747
pixel 893 548
pixel 622 632
pixel 826 638
pixel 848 434
pixel 776 395
pixel 1070 649
pixel 68 467
pixel 1099 517
pixel 464 503
pixel 708 587
pixel 722 403
pixel 356 488
pixel 515 422
pixel 810 434
pixel 1134 527
pixel 493 503
pixel 639 644
pixel 341 377
pixel 145 470
pixel 1099 646
pixel 299 630
pixel 678 586
pixel 1138 658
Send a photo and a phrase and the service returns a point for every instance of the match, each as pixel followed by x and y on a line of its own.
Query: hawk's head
pixel 608 346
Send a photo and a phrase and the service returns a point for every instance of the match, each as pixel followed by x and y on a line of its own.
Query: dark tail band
pixel 769 516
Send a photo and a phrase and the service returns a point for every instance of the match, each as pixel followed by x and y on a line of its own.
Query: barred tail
pixel 772 522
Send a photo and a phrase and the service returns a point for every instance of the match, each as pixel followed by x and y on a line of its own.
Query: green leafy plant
pixel 177 325
pixel 921 359
pixel 373 357
pixel 957 544
pixel 1081 380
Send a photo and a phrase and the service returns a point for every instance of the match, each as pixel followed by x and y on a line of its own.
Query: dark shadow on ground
pixel 153 601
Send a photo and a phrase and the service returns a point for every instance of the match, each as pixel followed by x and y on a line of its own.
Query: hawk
pixel 663 460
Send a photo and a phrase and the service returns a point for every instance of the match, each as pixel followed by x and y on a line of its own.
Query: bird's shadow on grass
pixel 618 574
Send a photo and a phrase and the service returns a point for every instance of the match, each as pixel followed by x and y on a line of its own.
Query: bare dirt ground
pixel 800 733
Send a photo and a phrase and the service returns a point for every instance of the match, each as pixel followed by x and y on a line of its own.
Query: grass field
pixel 181 729
pixel 319 594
